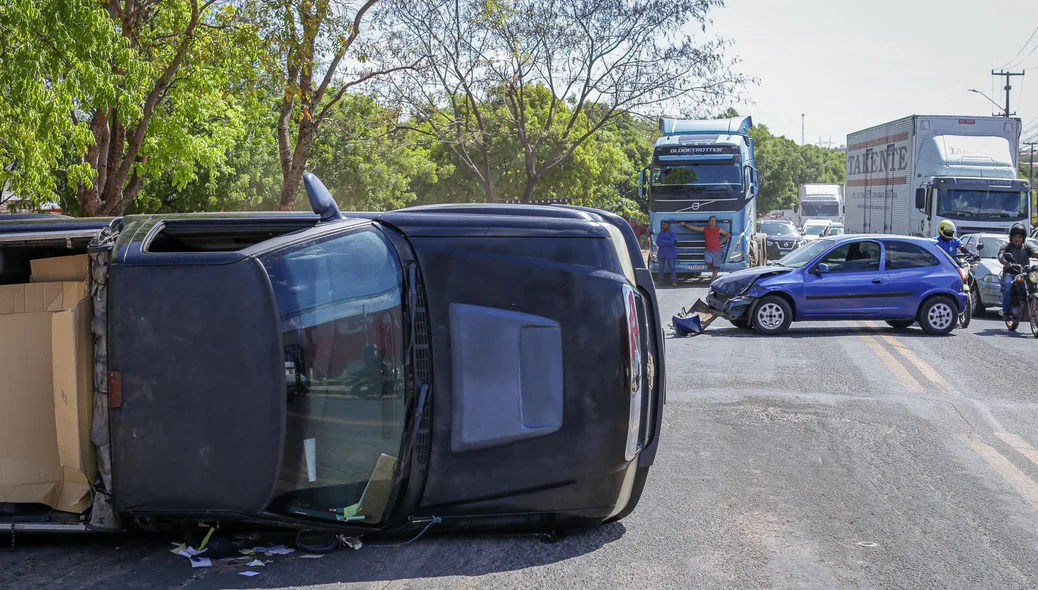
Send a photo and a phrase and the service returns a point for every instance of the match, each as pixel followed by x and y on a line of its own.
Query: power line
pixel 1017 64
pixel 1026 43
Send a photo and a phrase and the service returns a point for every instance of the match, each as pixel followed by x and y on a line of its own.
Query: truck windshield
pixel 820 209
pixel 973 204
pixel 340 300
pixel 686 174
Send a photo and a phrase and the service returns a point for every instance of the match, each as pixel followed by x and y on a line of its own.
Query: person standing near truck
pixel 667 253
pixel 715 239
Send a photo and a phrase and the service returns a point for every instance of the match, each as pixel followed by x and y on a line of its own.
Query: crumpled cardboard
pixel 46 389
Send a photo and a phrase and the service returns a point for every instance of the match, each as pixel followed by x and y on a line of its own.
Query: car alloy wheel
pixel 938 316
pixel 773 315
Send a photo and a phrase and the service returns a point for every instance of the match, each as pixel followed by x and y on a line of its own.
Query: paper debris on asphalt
pixel 255 563
pixel 201 562
pixel 249 574
pixel 311 556
pixel 281 550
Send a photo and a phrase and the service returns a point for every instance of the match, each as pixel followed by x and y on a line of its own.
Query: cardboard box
pixel 46 389
pixel 60 268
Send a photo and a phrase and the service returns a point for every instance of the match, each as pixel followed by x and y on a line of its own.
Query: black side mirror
pixel 920 198
pixel 980 247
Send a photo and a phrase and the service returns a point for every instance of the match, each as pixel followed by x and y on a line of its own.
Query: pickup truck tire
pixel 772 316
pixel 938 316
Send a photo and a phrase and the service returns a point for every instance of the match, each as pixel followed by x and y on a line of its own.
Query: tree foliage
pixel 550 75
pixel 783 166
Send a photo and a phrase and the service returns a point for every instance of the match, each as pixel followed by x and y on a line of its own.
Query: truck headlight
pixel 737 256
pixel 634 374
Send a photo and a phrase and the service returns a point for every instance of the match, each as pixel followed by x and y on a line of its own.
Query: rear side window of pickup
pixel 340 301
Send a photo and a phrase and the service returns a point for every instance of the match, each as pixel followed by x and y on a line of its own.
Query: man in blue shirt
pixel 947 241
pixel 667 253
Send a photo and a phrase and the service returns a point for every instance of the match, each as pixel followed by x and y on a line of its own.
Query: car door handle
pixel 877 281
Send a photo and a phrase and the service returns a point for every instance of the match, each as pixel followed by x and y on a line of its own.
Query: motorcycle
pixel 967 262
pixel 1025 298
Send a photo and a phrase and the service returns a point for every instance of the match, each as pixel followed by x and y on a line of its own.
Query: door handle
pixel 877 281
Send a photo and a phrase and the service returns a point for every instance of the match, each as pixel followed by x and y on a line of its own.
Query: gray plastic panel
pixel 507 377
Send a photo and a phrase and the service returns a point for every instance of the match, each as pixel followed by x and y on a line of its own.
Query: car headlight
pixel 990 278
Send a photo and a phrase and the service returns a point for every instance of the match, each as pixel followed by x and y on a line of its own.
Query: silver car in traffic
pixel 988 290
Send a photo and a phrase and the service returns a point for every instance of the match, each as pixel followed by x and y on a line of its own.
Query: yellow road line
pixel 1023 485
pixel 924 368
pixel 1019 445
pixel 899 371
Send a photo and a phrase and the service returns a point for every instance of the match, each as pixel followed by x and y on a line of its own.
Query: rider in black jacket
pixel 1014 255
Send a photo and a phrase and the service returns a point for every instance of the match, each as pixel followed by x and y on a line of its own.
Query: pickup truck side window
pixel 340 300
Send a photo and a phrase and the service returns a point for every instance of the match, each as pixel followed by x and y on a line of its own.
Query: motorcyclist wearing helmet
pixel 1014 256
pixel 947 241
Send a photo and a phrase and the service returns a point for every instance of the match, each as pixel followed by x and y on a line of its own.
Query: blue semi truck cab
pixel 702 168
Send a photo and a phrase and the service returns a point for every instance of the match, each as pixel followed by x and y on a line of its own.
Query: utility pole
pixel 801 128
pixel 1008 87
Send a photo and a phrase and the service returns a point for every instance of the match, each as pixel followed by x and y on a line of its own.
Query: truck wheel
pixel 772 316
pixel 938 316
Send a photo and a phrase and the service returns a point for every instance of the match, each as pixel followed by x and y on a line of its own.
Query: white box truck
pixel 819 201
pixel 906 176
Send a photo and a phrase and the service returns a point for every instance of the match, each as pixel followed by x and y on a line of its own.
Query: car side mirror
pixel 822 268
pixel 980 247
pixel 920 198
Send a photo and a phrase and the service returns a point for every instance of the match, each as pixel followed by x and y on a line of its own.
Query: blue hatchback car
pixel 898 279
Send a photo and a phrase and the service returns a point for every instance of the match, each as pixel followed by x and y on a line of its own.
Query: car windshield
pixel 778 229
pixel 991 246
pixel 681 175
pixel 979 204
pixel 814 228
pixel 835 230
pixel 802 256
pixel 340 304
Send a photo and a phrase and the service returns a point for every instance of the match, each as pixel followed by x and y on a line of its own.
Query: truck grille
pixel 692 245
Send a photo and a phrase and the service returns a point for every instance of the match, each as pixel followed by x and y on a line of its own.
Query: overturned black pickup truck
pixel 476 366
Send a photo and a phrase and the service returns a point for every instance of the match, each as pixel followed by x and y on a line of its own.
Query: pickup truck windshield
pixel 340 302
pixel 979 204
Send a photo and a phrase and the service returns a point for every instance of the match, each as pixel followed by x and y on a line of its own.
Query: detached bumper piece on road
pixel 367 375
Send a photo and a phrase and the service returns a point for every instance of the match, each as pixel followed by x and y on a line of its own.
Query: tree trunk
pixel 293 172
pixel 531 184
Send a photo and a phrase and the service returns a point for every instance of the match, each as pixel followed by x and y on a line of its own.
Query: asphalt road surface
pixel 841 455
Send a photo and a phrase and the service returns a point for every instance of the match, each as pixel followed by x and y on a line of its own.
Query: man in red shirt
pixel 715 239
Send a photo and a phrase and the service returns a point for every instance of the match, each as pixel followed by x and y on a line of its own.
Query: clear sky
pixel 850 65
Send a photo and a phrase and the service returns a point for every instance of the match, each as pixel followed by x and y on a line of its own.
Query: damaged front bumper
pixel 733 308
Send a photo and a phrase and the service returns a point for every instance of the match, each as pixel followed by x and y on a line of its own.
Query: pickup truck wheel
pixel 938 316
pixel 772 316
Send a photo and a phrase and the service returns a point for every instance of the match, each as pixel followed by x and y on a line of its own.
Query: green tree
pixel 109 93
pixel 318 50
pixel 562 71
